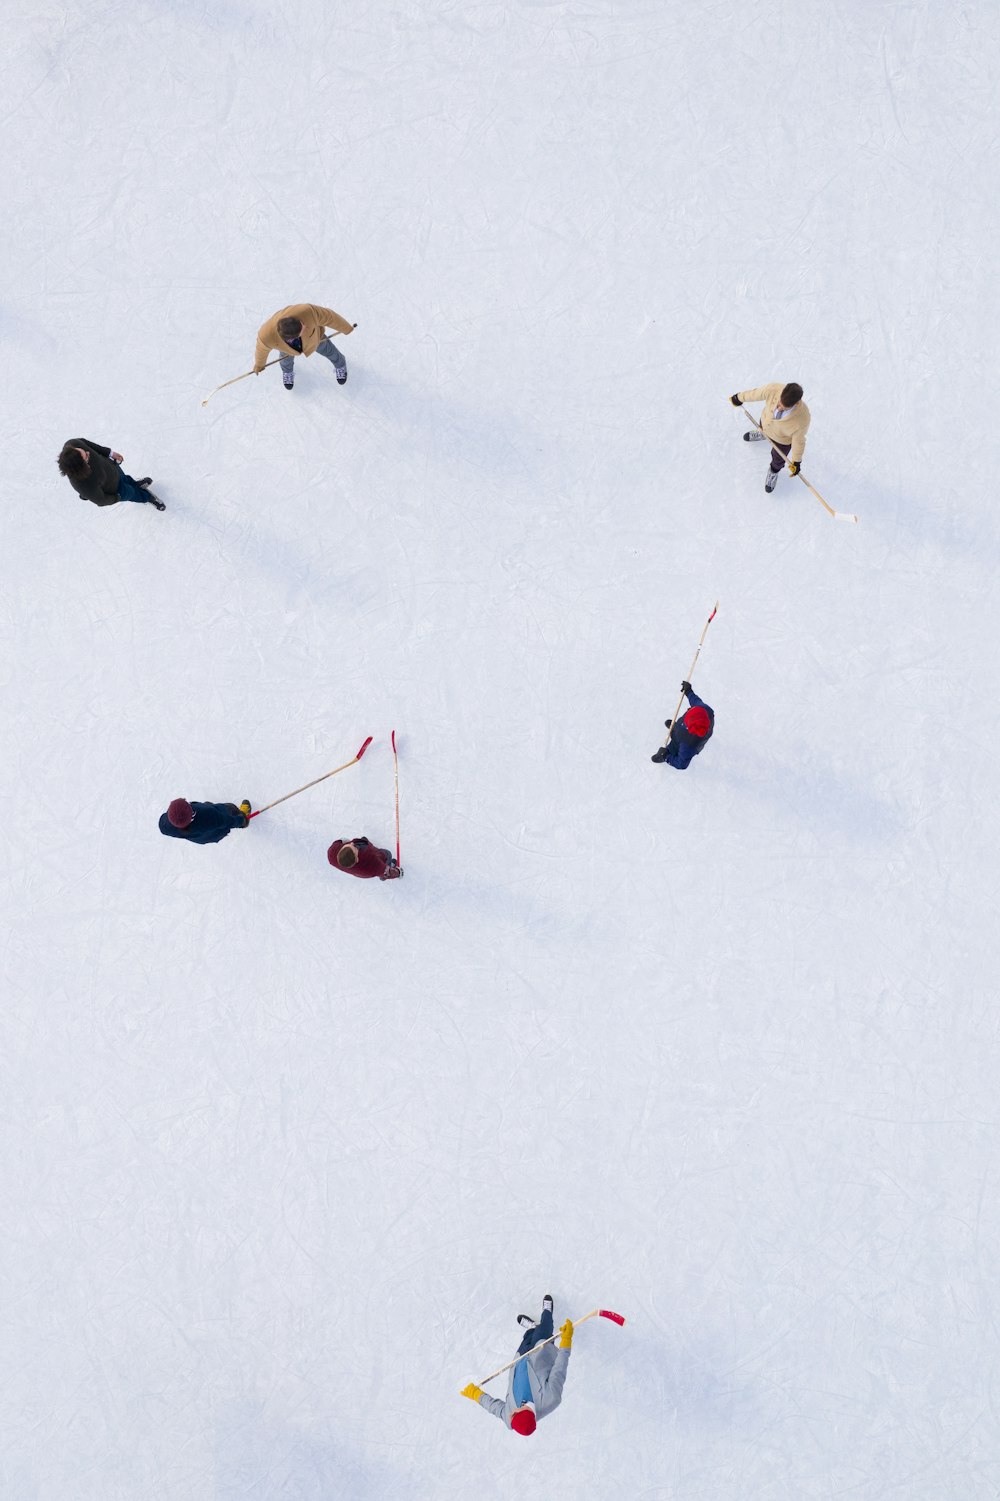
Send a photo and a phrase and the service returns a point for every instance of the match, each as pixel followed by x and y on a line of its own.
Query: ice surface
pixel 285 1154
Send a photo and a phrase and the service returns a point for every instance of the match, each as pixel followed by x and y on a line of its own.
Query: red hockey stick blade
pixel 615 1318
pixel 364 748
pixel 394 742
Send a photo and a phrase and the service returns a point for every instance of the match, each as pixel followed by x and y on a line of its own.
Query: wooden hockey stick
pixel 291 355
pixel 837 515
pixel 701 643
pixel 604 1313
pixel 258 811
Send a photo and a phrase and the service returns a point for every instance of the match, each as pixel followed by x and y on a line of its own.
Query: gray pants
pixel 325 347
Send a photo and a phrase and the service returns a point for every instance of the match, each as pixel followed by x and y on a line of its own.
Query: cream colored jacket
pixel 791 428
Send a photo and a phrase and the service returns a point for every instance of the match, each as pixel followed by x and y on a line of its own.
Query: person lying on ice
pixel 203 823
pixel 690 734
pixel 535 1384
pixel 359 857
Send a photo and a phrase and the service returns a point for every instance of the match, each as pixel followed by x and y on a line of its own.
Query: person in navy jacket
pixel 203 823
pixel 691 733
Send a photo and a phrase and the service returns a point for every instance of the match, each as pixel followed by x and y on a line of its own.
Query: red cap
pixel 523 1421
pixel 697 721
pixel 180 813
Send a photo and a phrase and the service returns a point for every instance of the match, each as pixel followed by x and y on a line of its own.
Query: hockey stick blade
pixel 364 748
pixel 616 1318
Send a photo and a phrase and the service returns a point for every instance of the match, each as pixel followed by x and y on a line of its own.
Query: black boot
pixel 144 483
pixel 157 503
pixel 661 755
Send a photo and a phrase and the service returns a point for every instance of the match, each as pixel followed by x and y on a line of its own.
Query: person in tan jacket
pixel 301 329
pixel 785 420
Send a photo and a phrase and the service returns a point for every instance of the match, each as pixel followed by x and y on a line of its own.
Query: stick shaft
pixel 291 355
pixel 837 515
pixel 576 1324
pixel 326 775
pixel 395 773
pixel 691 669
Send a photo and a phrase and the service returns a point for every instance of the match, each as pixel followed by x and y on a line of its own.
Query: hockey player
pixel 300 329
pixel 97 475
pixel 203 823
pixel 359 857
pixel 691 733
pixel 785 420
pixel 535 1384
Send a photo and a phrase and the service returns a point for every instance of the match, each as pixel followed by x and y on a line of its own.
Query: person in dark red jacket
pixel 359 857
pixel 691 733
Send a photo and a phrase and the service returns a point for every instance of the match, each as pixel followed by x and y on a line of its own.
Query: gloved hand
pixel 793 469
pixel 685 687
pixel 472 1391
pixel 736 401
pixel 566 1335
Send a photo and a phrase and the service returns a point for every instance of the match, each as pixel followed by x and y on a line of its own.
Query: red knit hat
pixel 180 813
pixel 697 721
pixel 523 1420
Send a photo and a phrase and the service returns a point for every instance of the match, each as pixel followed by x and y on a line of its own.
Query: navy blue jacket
pixel 211 822
pixel 683 746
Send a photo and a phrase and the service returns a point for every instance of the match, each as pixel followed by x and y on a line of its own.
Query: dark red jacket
pixel 371 861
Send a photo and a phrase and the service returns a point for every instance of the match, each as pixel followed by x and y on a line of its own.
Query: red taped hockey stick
pixel 323 778
pixel 603 1313
pixel 395 769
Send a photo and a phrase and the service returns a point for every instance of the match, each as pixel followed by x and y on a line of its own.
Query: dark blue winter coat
pixel 211 822
pixel 683 746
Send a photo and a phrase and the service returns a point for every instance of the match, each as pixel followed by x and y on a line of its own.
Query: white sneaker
pixel 547 1304
pixel 526 1321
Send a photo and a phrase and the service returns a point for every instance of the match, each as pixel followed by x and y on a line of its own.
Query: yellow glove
pixel 793 469
pixel 566 1335
pixel 472 1391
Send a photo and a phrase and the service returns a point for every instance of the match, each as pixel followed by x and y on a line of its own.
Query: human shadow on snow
pixel 434 423
pixel 259 1457
pixel 813 791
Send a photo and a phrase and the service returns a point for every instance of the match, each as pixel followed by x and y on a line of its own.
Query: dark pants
pixel 129 490
pixel 543 1330
pixel 778 452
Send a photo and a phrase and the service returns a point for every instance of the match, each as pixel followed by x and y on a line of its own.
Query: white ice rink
pixel 283 1153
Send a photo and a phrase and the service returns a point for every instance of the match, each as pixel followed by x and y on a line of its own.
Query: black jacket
pixel 101 485
pixel 212 822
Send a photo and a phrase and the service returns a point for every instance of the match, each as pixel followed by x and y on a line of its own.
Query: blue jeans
pixel 325 347
pixel 542 1330
pixel 129 490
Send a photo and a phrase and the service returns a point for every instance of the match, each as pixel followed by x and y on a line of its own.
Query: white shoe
pixel 753 436
pixel 547 1304
pixel 772 480
pixel 526 1321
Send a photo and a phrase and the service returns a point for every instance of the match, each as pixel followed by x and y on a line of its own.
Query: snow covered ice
pixel 285 1153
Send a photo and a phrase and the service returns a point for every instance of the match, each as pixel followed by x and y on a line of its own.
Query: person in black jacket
pixel 203 823
pixel 97 475
pixel 689 735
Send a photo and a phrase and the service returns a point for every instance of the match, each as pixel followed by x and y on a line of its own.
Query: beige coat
pixel 791 428
pixel 314 320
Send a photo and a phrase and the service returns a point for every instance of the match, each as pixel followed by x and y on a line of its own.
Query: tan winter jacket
pixel 791 428
pixel 314 320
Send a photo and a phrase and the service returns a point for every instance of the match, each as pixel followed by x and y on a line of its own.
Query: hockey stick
pixel 604 1313
pixel 291 355
pixel 326 774
pixel 697 654
pixel 837 515
pixel 395 772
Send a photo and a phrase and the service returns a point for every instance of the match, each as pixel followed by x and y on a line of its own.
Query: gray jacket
pixel 546 1376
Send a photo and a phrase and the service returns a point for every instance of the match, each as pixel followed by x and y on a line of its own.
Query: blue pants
pixel 129 490
pixel 542 1330
pixel 325 347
